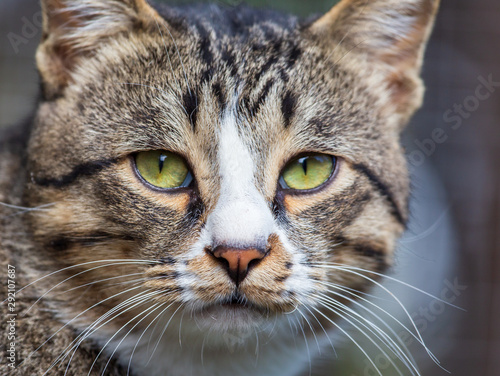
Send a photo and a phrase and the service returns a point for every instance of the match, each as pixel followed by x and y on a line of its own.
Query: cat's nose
pixel 238 261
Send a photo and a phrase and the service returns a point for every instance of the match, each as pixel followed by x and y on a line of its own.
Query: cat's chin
pixel 229 317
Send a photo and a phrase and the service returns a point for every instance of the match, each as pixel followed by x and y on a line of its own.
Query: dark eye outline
pixel 187 185
pixel 282 186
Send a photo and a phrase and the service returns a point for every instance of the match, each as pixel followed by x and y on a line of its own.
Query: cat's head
pixel 246 163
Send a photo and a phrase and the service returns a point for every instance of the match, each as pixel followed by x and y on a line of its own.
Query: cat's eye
pixel 308 172
pixel 163 169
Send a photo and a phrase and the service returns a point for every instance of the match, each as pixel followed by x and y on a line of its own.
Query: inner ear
pixel 76 29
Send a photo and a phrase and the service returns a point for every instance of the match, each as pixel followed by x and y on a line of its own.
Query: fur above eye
pixel 163 169
pixel 308 172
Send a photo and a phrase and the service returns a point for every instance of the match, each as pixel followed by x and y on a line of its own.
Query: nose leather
pixel 238 261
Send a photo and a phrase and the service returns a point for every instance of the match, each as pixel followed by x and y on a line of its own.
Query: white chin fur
pixel 223 319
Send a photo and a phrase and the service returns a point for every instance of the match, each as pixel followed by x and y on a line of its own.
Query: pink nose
pixel 238 261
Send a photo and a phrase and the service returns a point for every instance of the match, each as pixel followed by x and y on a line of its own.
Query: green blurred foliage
pixel 300 7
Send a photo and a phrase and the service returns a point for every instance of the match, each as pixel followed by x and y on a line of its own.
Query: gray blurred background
pixel 463 52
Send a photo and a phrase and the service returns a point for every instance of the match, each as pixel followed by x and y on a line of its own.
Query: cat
pixel 205 190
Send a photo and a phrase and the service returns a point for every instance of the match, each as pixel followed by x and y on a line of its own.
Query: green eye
pixel 308 172
pixel 163 169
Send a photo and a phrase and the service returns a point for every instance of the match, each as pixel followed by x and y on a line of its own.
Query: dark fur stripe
pixel 204 45
pixel 230 61
pixel 295 54
pixel 84 169
pixel 65 242
pixel 288 107
pixel 384 191
pixel 219 94
pixel 190 102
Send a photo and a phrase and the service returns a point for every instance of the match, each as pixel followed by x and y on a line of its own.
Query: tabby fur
pixel 237 92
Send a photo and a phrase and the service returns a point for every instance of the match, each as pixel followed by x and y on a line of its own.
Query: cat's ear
pixel 387 34
pixel 74 29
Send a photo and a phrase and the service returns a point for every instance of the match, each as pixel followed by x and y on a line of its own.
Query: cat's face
pixel 173 141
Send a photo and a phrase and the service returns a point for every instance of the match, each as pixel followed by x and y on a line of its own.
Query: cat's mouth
pixel 236 301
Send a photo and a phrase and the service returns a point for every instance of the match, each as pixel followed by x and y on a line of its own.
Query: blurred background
pixel 453 147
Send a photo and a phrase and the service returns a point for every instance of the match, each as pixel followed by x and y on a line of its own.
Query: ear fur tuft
pixel 73 29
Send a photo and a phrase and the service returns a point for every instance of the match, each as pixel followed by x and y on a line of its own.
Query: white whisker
pixel 351 338
pixel 322 328
pixel 338 307
pixel 348 268
pixel 353 301
pixel 153 308
pixel 311 328
pixel 74 318
pixel 82 336
pixel 162 333
pixel 125 261
pixel 131 303
pixel 69 278
pixel 104 280
pixel 142 334
pixel 354 270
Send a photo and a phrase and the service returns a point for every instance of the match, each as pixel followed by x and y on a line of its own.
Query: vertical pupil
pixel 303 162
pixel 161 162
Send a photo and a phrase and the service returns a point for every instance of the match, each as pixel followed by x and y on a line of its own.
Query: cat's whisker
pixel 395 344
pixel 327 336
pixel 256 346
pixel 275 322
pixel 355 292
pixel 180 328
pixel 124 304
pixel 311 328
pixel 132 282
pixel 348 268
pixel 202 351
pixel 301 327
pixel 73 319
pixel 355 302
pixel 71 277
pixel 151 309
pixel 24 210
pixel 104 280
pixel 163 332
pixel 354 270
pixel 154 330
pixel 429 230
pixel 291 321
pixel 330 303
pixel 352 320
pixel 125 261
pixel 144 332
pixel 128 305
pixel 351 338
